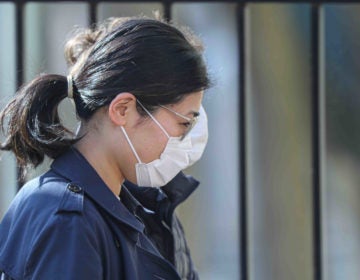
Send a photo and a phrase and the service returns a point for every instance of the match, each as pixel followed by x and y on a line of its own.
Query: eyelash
pixel 186 124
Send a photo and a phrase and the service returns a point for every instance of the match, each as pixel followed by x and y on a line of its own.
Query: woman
pixel 105 209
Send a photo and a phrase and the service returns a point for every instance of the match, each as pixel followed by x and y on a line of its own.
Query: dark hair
pixel 154 60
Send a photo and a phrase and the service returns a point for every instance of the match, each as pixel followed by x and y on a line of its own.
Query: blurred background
pixel 258 213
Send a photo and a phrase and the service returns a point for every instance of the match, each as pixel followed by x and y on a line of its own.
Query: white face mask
pixel 177 155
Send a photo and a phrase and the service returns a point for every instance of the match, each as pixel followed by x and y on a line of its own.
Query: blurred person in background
pixel 105 209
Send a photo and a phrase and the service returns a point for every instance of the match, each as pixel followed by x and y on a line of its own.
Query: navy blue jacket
pixel 67 224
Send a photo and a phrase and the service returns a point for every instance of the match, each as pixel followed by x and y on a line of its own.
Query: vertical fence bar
pixel 243 250
pixel 167 10
pixel 92 13
pixel 316 134
pixel 19 53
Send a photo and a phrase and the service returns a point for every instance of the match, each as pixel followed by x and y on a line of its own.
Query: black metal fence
pixel 316 123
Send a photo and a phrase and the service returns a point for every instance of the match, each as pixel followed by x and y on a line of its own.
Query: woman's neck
pixel 102 162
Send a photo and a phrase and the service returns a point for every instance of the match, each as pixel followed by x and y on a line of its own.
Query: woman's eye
pixel 186 124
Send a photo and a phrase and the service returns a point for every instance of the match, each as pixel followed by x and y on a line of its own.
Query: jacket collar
pixel 176 191
pixel 73 166
pixel 180 188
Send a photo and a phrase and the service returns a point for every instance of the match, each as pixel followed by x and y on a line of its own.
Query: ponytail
pixel 31 123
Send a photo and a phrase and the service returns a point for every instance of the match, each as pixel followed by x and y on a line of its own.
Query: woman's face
pixel 148 138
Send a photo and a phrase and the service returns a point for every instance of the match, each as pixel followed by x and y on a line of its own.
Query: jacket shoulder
pixel 50 193
pixel 45 206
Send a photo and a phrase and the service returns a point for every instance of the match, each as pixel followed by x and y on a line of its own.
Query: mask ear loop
pixel 131 145
pixel 155 120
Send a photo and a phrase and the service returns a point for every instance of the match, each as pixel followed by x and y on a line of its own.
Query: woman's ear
pixel 121 107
